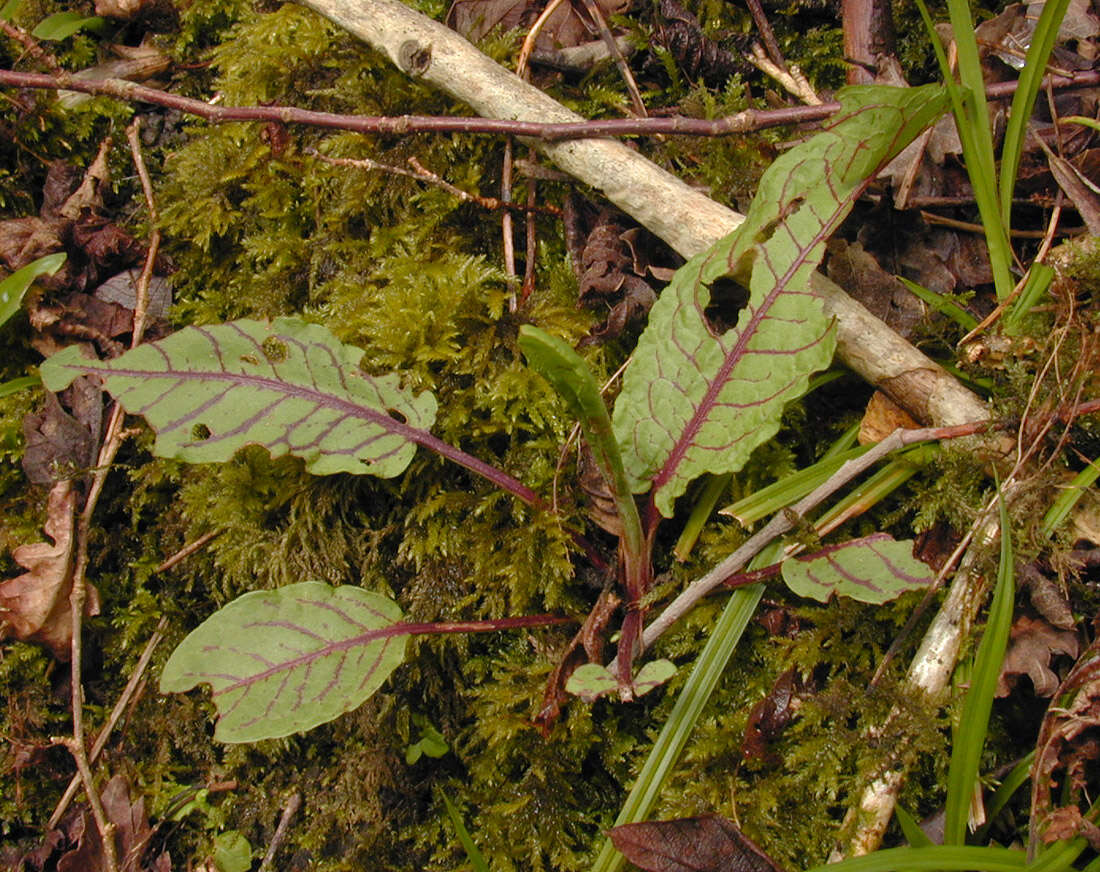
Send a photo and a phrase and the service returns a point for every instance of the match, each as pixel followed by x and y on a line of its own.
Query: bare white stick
pixel 686 219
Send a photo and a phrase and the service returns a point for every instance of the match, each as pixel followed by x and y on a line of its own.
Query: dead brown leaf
pixel 1082 191
pixel 1066 823
pixel 585 647
pixel 1033 643
pixel 709 843
pixel 77 846
pixel 34 606
pixel 882 417
pixel 614 262
pixel 124 9
pixel 859 273
pixel 58 444
pixel 771 716
pixel 568 25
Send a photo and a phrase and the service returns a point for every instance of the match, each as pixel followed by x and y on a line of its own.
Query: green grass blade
pixel 972 121
pixel 693 697
pixel 1039 277
pixel 15 286
pixel 974 721
pixel 1023 101
pixel 1061 507
pixel 881 484
pixel 932 858
pixel 566 371
pixel 18 384
pixel 476 858
pixel 910 828
pixel 789 489
pixel 700 513
pixel 942 305
pixel 1012 782
pixel 846 441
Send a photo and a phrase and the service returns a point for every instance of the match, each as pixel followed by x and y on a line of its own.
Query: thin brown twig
pixel 747 121
pixel 32 46
pixel 116 715
pixel 292 806
pixel 187 550
pixel 767 35
pixel 624 68
pixel 141 307
pixel 423 174
pixel 113 438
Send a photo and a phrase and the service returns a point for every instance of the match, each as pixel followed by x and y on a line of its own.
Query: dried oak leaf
pixel 1033 643
pixel 858 272
pixel 34 606
pixel 709 843
pixel 882 417
pixel 612 260
pixel 1047 596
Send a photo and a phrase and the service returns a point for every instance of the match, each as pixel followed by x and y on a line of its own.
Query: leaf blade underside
pixel 290 386
pixel 694 401
pixel 283 661
pixel 874 569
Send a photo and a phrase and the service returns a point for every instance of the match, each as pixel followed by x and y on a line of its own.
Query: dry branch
pixel 686 219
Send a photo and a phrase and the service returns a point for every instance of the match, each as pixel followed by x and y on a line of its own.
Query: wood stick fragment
pixel 686 219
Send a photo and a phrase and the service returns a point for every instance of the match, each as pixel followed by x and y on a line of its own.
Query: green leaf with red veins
pixel 874 569
pixel 282 661
pixel 289 386
pixel 696 400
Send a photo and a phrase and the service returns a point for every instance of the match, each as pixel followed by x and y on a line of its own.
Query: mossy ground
pixel 257 226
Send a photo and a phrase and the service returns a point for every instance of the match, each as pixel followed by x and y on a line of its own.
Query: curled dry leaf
pixel 859 273
pixel 881 418
pixel 699 56
pixel 59 444
pixel 76 846
pixel 1032 645
pixel 34 606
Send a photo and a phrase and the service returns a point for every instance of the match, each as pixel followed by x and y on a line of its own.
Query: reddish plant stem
pixel 743 122
pixel 432 628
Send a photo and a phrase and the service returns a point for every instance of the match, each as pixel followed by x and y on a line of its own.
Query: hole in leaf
pixel 200 433
pixel 275 350
pixel 727 298
pixel 397 416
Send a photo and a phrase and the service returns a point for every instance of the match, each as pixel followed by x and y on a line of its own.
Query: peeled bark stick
pixel 684 218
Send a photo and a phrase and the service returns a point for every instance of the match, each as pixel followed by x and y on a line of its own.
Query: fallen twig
pixel 292 806
pixel 116 715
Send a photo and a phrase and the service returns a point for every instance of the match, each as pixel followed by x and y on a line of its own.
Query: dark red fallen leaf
pixel 709 843
pixel 770 716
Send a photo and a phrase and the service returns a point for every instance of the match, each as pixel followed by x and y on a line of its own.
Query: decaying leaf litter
pixel 432 563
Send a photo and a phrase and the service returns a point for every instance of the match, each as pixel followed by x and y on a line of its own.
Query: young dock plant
pixel 698 398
